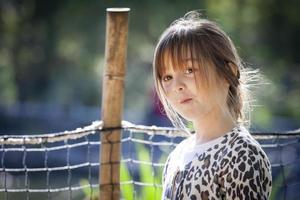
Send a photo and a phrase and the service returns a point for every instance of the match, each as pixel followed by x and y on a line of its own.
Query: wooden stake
pixel 112 101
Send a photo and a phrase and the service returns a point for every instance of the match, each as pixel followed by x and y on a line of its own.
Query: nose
pixel 179 85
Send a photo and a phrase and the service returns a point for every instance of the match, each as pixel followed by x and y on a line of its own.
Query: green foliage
pixel 7 86
pixel 89 193
pixel 261 40
pixel 127 190
pixel 53 51
pixel 148 175
pixel 279 181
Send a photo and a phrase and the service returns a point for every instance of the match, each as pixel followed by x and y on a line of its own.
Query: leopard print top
pixel 236 168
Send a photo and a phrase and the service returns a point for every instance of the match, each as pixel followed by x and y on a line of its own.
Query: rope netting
pixel 65 165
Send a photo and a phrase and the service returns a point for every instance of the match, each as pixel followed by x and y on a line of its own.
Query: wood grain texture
pixel 112 101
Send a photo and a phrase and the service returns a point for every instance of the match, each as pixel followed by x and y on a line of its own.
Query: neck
pixel 213 125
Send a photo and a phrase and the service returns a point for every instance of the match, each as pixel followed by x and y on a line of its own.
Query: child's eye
pixel 166 78
pixel 189 70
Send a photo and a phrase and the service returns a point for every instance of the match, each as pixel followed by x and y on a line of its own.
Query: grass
pixel 146 173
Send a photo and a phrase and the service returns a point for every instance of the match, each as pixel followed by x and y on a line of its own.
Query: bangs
pixel 180 50
pixel 172 55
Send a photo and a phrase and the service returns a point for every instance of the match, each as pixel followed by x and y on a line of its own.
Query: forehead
pixel 171 60
pixel 170 63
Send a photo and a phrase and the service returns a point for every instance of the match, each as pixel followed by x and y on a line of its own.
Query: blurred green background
pixel 52 58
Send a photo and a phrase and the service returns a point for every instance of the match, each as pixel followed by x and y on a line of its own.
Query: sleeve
pixel 247 175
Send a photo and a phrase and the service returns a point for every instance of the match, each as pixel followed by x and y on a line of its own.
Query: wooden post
pixel 112 101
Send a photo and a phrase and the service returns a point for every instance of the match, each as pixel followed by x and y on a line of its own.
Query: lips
pixel 185 100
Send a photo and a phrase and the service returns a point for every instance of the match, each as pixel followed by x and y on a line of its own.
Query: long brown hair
pixel 213 54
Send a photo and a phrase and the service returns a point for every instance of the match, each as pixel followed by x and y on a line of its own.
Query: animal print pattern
pixel 236 169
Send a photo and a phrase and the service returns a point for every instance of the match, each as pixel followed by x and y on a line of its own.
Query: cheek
pixel 166 92
pixel 204 96
pixel 167 89
pixel 171 98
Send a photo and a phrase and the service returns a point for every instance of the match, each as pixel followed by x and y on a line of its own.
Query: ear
pixel 233 68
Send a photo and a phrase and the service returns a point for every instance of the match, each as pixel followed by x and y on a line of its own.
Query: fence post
pixel 112 101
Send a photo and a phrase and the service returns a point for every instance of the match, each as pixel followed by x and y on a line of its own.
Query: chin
pixel 188 117
pixel 194 115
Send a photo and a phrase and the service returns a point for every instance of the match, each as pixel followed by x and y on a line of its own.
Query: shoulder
pixel 244 144
pixel 246 151
pixel 247 166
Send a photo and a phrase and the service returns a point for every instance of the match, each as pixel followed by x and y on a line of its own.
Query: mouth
pixel 185 100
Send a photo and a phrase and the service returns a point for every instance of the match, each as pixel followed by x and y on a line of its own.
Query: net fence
pixel 65 165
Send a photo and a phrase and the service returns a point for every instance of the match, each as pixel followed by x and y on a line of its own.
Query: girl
pixel 200 79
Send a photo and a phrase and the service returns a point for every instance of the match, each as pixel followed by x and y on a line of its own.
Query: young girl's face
pixel 186 95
